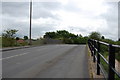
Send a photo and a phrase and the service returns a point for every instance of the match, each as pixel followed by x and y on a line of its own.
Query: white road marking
pixel 13 56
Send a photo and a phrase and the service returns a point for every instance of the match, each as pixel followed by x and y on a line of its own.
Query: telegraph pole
pixel 30 42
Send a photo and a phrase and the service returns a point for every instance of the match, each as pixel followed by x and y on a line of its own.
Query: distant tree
pixel 80 35
pixel 17 38
pixel 25 37
pixel 63 34
pixel 8 37
pixel 50 35
pixel 9 33
pixel 95 35
pixel 66 37
pixel 103 37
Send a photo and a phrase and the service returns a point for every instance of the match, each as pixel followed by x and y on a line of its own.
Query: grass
pixel 9 42
pixel 13 43
pixel 105 65
pixel 38 42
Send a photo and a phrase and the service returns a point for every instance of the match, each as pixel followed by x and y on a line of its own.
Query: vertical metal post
pixel 111 74
pixel 98 58
pixel 30 42
pixel 94 43
pixel 90 42
pixel 92 47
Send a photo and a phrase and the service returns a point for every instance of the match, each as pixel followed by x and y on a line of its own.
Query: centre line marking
pixel 14 56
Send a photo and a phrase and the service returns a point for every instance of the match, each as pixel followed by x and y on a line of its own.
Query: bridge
pixel 57 61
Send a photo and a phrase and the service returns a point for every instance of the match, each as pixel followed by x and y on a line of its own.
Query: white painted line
pixel 13 56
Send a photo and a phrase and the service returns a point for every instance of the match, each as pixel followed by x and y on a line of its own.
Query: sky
pixel 76 16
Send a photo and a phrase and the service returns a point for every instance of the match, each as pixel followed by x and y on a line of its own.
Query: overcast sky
pixel 75 16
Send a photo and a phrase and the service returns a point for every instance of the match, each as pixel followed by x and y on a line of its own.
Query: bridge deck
pixel 50 61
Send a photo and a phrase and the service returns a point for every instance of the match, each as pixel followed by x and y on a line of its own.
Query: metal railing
pixel 94 46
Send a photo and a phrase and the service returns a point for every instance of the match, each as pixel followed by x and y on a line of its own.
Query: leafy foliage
pixel 95 35
pixel 17 38
pixel 8 37
pixel 25 37
pixel 66 37
pixel 9 33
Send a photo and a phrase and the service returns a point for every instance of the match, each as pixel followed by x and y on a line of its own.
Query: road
pixel 49 61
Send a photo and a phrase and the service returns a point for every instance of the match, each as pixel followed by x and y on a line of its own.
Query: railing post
pixel 98 58
pixel 89 43
pixel 111 74
pixel 91 47
pixel 94 44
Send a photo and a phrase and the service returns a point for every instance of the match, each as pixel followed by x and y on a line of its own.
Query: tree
pixel 9 33
pixel 17 38
pixel 95 35
pixel 80 35
pixel 103 37
pixel 25 37
pixel 8 37
pixel 63 33
pixel 50 35
pixel 66 37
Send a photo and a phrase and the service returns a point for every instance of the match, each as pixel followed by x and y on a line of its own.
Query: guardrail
pixel 94 46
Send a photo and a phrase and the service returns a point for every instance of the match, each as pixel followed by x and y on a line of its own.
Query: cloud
pixel 111 18
pixel 15 9
pixel 45 9
pixel 15 15
pixel 77 16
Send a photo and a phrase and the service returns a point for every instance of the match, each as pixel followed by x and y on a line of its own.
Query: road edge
pixel 92 67
pixel 15 48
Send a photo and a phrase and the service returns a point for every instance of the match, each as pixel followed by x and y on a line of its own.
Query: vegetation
pixel 95 35
pixel 25 37
pixel 66 37
pixel 104 50
pixel 8 37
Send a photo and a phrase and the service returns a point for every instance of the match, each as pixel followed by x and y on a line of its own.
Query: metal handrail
pixel 95 48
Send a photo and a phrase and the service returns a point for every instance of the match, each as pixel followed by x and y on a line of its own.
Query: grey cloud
pixel 111 18
pixel 23 27
pixel 71 7
pixel 13 12
pixel 40 30
pixel 44 9
pixel 12 24
pixel 15 9
pixel 50 5
pixel 21 9
pixel 80 30
pixel 111 15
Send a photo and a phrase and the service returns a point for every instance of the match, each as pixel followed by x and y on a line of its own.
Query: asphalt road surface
pixel 49 61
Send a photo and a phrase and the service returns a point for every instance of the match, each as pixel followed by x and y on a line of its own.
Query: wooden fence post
pixel 111 74
pixel 98 58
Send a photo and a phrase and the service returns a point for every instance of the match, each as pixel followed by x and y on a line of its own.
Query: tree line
pixel 9 37
pixel 70 38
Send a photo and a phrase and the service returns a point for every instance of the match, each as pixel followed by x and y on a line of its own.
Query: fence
pixel 94 46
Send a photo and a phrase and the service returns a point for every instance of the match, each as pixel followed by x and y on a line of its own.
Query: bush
pixel 6 42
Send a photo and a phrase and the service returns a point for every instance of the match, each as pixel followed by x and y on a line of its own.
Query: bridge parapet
pixel 95 49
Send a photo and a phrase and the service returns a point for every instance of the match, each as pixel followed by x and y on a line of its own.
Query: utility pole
pixel 30 42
